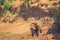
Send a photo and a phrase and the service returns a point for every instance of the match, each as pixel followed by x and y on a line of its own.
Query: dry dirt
pixel 21 29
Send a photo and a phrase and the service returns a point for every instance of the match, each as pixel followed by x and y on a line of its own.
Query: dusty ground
pixel 20 29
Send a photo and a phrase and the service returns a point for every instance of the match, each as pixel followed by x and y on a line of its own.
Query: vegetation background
pixel 17 15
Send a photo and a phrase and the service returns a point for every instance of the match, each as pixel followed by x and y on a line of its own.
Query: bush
pixel 7 4
pixel 25 2
pixel 1 2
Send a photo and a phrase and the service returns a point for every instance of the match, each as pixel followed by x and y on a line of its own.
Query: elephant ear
pixel 32 26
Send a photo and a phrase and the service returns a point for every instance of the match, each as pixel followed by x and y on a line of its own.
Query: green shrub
pixel 26 2
pixel 1 2
pixel 7 5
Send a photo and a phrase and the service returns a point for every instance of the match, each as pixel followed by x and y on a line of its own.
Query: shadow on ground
pixel 34 12
pixel 54 30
